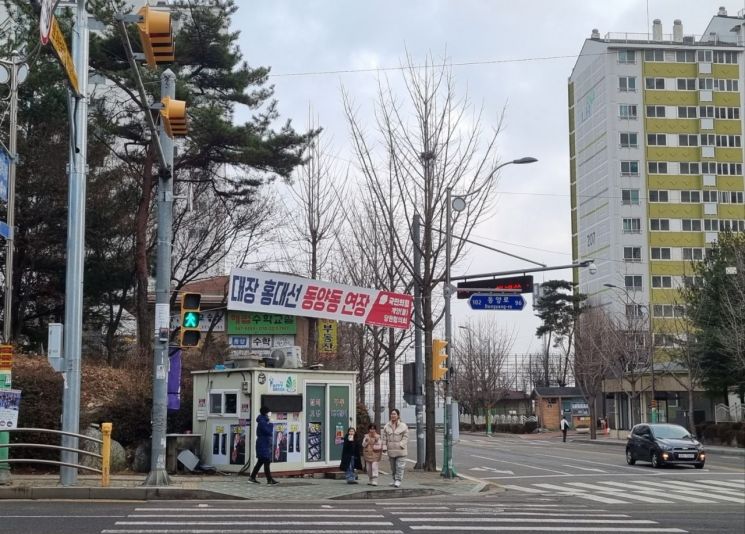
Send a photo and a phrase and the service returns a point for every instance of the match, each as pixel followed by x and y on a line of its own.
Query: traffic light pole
pixel 158 475
pixel 448 470
pixel 418 349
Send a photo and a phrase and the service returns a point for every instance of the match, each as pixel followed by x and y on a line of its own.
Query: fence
pixel 105 455
pixel 726 414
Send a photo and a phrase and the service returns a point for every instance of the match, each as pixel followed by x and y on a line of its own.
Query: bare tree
pixel 432 141
pixel 481 375
pixel 733 300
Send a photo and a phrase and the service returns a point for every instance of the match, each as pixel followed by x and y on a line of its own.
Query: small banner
pixel 10 402
pixel 4 173
pixel 6 357
pixel 174 378
pixel 328 341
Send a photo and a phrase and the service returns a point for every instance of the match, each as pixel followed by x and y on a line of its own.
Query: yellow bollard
pixel 105 455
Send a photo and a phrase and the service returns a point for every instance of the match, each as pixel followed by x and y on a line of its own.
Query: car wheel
pixel 656 462
pixel 630 457
pixel 699 466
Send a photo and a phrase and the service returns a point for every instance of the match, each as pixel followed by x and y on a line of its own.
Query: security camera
pixel 593 268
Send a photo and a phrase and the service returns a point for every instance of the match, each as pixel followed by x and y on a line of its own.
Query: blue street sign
pixel 4 230
pixel 496 302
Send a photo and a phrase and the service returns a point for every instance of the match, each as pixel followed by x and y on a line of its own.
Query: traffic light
pixel 190 334
pixel 173 116
pixel 439 359
pixel 156 36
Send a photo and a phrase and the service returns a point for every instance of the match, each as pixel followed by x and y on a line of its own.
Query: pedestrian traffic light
pixel 190 334
pixel 439 359
pixel 173 115
pixel 156 36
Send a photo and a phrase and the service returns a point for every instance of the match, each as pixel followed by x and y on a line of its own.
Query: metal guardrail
pixel 105 455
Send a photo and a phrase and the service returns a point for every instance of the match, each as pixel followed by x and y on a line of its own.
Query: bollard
pixel 105 455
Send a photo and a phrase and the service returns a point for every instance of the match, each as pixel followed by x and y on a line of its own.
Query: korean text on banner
pixel 292 295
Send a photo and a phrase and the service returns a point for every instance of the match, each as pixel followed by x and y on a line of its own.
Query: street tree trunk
pixel 142 267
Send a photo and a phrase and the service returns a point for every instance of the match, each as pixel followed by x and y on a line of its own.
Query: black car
pixel 664 444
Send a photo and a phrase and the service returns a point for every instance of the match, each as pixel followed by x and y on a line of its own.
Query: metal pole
pixel 447 460
pixel 418 352
pixel 158 475
pixel 75 247
pixel 12 149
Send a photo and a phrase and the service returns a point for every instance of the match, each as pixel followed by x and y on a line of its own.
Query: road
pixel 550 487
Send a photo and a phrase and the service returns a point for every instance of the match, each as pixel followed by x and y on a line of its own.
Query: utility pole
pixel 75 248
pixel 13 68
pixel 418 353
pixel 158 475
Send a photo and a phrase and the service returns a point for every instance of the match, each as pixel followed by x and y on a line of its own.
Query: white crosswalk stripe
pixel 384 518
pixel 656 491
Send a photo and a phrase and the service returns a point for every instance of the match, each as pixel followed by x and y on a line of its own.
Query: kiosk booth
pixel 310 411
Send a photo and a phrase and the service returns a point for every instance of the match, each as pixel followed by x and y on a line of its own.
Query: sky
pixel 520 57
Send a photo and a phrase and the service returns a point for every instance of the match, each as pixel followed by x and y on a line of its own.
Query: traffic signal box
pixel 190 333
pixel 439 359
pixel 173 116
pixel 156 36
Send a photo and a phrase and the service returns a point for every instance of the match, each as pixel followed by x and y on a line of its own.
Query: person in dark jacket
pixel 264 433
pixel 350 456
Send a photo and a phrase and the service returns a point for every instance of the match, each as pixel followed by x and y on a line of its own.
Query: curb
pixel 390 494
pixel 117 494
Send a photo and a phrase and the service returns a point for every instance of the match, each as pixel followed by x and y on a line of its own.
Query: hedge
pixel 721 433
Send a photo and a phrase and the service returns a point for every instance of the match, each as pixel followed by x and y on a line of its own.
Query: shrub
pixel 740 437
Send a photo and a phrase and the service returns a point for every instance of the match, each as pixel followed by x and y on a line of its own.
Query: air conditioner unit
pixel 285 357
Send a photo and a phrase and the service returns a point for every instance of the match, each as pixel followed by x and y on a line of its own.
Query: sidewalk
pixel 205 487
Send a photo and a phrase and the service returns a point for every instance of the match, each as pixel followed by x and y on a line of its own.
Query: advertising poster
pixel 327 337
pixel 242 323
pixel 294 451
pixel 10 402
pixel 338 419
pixel 237 445
pixel 315 409
pixel 279 443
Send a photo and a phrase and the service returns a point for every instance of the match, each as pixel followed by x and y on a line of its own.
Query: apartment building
pixel 655 126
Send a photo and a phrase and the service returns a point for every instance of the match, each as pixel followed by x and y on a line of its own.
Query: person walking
pixel 564 425
pixel 395 440
pixel 372 452
pixel 350 456
pixel 264 434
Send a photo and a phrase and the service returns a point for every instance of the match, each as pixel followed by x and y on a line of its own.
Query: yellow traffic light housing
pixel 190 317
pixel 156 36
pixel 439 359
pixel 173 116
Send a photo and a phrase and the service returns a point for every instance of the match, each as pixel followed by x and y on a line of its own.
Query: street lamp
pixel 653 409
pixel 458 204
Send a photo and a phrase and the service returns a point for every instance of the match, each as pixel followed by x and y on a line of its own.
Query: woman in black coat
pixel 264 434
pixel 350 456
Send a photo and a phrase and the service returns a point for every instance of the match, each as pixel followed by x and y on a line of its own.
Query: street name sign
pixel 497 302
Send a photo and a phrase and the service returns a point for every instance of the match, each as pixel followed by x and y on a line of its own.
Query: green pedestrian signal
pixel 190 334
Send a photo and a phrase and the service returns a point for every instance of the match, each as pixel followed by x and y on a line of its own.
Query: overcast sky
pixel 524 53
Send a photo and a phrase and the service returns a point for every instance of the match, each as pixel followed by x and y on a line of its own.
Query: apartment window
pixel 708 167
pixel 632 254
pixel 687 112
pixel 685 56
pixel 664 340
pixel 731 141
pixel 632 226
pixel 689 281
pixel 627 84
pixel 709 196
pixel 711 225
pixel 657 167
pixel 634 311
pixel 654 55
pixel 658 196
pixel 686 84
pixel 688 167
pixel 664 282
pixel 659 225
pixel 629 168
pixel 704 56
pixel 691 225
pixel 661 253
pixel 729 169
pixel 690 196
pixel 630 197
pixel 706 112
pixel 654 83
pixel 656 111
pixel 726 85
pixel 693 254
pixel 656 139
pixel 725 57
pixel 727 197
pixel 706 83
pixel 688 140
pixel 633 282
pixel 629 140
pixel 627 111
pixel 726 113
pixel 627 56
pixel 224 403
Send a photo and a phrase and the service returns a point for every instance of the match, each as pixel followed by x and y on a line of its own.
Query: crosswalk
pixel 384 517
pixel 666 491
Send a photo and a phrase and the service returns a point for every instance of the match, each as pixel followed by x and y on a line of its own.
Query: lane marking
pixel 598 498
pixel 584 468
pixel 605 475
pixel 530 520
pixel 521 465
pixel 616 491
pixel 737 485
pixel 523 488
pixel 553 529
pixel 237 523
pixel 245 531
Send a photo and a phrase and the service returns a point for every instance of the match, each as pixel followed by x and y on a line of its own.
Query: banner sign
pixel 6 357
pixel 10 402
pixel 327 337
pixel 4 173
pixel 292 295
pixel 242 323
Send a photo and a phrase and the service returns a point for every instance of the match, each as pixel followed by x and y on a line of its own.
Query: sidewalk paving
pixel 206 487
